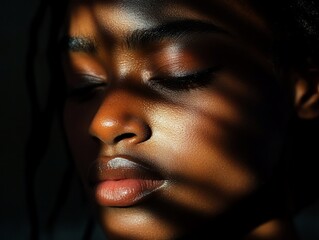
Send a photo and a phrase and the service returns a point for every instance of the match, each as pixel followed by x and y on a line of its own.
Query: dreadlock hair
pixel 296 26
pixel 296 30
pixel 42 117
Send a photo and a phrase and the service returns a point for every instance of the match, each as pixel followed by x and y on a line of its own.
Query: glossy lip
pixel 122 181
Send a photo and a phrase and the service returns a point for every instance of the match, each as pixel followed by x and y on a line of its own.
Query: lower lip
pixel 125 192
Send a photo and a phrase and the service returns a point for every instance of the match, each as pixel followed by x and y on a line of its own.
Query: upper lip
pixel 119 168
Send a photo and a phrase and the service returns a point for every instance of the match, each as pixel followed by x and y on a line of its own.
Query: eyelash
pixel 188 82
pixel 87 87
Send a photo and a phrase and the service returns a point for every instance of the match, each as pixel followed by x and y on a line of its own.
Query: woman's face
pixel 174 113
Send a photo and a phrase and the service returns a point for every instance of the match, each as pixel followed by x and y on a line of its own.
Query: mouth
pixel 122 182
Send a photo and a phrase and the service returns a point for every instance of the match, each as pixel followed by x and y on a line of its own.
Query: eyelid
pixel 85 82
pixel 183 76
pixel 86 78
pixel 192 75
pixel 187 82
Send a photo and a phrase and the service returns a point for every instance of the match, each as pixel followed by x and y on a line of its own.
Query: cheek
pixel 201 141
pixel 217 143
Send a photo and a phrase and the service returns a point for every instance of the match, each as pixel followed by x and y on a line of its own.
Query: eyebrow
pixel 84 44
pixel 173 30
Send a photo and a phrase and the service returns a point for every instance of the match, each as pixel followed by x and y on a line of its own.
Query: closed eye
pixel 195 80
pixel 86 87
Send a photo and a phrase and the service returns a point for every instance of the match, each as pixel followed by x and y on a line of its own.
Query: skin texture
pixel 210 144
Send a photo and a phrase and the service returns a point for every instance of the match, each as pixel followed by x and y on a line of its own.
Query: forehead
pixel 128 15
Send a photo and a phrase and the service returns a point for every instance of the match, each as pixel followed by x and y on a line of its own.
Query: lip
pixel 122 181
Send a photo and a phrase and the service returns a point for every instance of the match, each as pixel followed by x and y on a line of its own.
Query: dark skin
pixel 176 118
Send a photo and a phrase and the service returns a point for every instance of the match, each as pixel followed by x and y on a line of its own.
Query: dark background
pixel 14 20
pixel 15 17
pixel 15 120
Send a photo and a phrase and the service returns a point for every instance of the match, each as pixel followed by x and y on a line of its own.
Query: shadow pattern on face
pixel 265 203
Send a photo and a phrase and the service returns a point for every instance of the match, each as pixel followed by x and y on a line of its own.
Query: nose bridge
pixel 120 117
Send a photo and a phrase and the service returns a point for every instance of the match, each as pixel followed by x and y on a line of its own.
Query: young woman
pixel 181 116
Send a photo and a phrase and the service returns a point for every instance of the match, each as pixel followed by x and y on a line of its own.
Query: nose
pixel 120 118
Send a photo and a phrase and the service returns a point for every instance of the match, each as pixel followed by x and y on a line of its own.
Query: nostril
pixel 124 136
